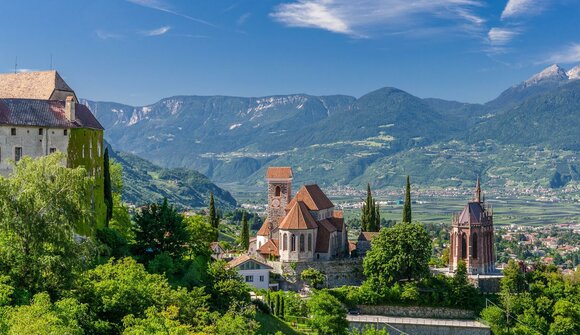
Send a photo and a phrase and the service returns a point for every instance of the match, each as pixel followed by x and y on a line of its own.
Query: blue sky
pixel 138 51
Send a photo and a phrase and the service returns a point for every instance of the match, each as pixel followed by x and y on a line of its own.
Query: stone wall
pixel 416 311
pixel 339 272
pixel 423 329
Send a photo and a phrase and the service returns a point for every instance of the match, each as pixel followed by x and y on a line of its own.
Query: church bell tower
pixel 279 181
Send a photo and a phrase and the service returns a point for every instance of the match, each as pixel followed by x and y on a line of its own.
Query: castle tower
pixel 472 237
pixel 279 181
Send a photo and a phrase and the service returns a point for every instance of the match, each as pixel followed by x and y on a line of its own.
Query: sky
pixel 139 51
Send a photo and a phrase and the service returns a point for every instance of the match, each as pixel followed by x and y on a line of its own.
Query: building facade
pixel 303 228
pixel 254 272
pixel 472 237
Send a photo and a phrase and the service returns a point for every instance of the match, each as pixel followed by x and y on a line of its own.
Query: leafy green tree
pixel 369 330
pixel 156 322
pixel 312 277
pixel 226 287
pixel 213 218
pixel 465 295
pixel 201 235
pixel 407 207
pixel 245 236
pixel 107 186
pixel 370 218
pixel 513 281
pixel 43 205
pixel 6 291
pixel 566 318
pixel 236 321
pixel 328 316
pixel 397 253
pixel 159 229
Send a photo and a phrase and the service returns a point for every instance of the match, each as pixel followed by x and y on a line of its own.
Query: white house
pixel 254 272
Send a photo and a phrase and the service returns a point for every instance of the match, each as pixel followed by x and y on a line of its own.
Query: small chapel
pixel 303 228
pixel 472 237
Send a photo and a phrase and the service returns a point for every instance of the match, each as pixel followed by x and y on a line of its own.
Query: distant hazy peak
pixel 574 73
pixel 551 73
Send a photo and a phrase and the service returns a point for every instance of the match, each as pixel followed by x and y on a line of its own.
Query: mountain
pixel 144 182
pixel 340 140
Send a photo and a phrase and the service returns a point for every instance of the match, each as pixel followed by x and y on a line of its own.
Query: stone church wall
pixel 416 311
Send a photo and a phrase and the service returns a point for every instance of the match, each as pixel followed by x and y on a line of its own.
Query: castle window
pixel 51 150
pixel 17 153
pixel 293 243
pixel 285 242
pixel 301 242
pixel 277 191
pixel 40 131
pixel 474 246
pixel 65 132
pixel 463 246
pixel 13 131
pixel 309 242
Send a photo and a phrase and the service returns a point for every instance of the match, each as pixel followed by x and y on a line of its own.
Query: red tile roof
pixel 367 235
pixel 279 172
pixel 243 259
pixel 44 113
pixel 270 248
pixel 298 217
pixel 265 229
pixel 313 197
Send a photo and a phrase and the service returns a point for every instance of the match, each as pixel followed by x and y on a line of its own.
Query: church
pixel 303 228
pixel 472 237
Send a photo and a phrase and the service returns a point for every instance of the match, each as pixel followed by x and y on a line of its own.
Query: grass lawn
pixel 269 325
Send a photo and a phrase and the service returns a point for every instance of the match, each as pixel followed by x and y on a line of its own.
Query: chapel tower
pixel 279 181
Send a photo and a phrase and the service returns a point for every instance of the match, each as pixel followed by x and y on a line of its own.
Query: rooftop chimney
pixel 69 108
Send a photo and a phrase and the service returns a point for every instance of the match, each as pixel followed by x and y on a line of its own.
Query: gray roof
pixel 44 113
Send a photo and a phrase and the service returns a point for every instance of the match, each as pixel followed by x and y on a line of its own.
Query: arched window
pixel 463 246
pixel 474 245
pixel 309 242
pixel 293 243
pixel 277 192
pixel 285 242
pixel 301 242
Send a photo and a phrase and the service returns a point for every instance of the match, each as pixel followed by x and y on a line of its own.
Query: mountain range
pixel 379 138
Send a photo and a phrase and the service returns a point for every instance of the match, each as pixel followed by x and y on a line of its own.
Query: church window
pixel 285 242
pixel 13 131
pixel 65 132
pixel 474 246
pixel 277 191
pixel 309 242
pixel 463 246
pixel 17 153
pixel 301 242
pixel 293 243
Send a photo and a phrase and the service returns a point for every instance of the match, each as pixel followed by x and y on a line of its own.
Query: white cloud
pixel 359 18
pixel 105 35
pixel 501 36
pixel 571 54
pixel 161 6
pixel 157 32
pixel 242 19
pixel 520 8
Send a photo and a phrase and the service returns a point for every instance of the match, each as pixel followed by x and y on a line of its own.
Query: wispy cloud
pixel 243 18
pixel 163 7
pixel 359 18
pixel 501 36
pixel 156 32
pixel 522 8
pixel 105 35
pixel 570 54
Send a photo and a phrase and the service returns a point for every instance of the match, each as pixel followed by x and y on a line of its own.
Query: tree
pixel 397 253
pixel 226 287
pixel 213 218
pixel 278 305
pixel 282 308
pixel 245 236
pixel 44 205
pixel 159 229
pixel 201 235
pixel 465 294
pixel 407 206
pixel 156 322
pixel 312 277
pixel 107 186
pixel 514 280
pixel 328 316
pixel 370 218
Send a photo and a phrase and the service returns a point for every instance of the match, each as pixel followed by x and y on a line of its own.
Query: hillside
pixel 338 140
pixel 145 182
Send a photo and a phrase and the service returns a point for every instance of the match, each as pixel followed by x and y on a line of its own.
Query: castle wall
pixel 340 272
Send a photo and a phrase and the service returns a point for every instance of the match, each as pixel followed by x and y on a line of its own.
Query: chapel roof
pixel 298 217
pixel 279 172
pixel 313 197
pixel 471 213
pixel 265 229
pixel 270 248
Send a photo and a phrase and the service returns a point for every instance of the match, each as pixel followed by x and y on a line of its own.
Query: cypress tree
pixel 277 305
pixel 107 186
pixel 245 236
pixel 377 225
pixel 268 300
pixel 213 218
pixel 282 308
pixel 370 219
pixel 407 207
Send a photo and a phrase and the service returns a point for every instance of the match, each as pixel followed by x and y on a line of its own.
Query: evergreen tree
pixel 377 225
pixel 107 186
pixel 370 219
pixel 213 217
pixel 277 305
pixel 245 236
pixel 282 308
pixel 407 207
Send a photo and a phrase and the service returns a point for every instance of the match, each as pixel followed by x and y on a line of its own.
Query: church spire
pixel 477 193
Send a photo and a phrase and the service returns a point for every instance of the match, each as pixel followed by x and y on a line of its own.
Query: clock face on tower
pixel 276 203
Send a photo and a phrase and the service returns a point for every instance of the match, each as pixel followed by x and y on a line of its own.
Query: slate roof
pixel 279 172
pixel 323 237
pixel 44 113
pixel 270 248
pixel 243 259
pixel 337 222
pixel 298 217
pixel 265 229
pixel 471 213
pixel 313 197
pixel 32 85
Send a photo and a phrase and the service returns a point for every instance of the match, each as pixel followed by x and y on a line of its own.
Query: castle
pixel 472 237
pixel 303 228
